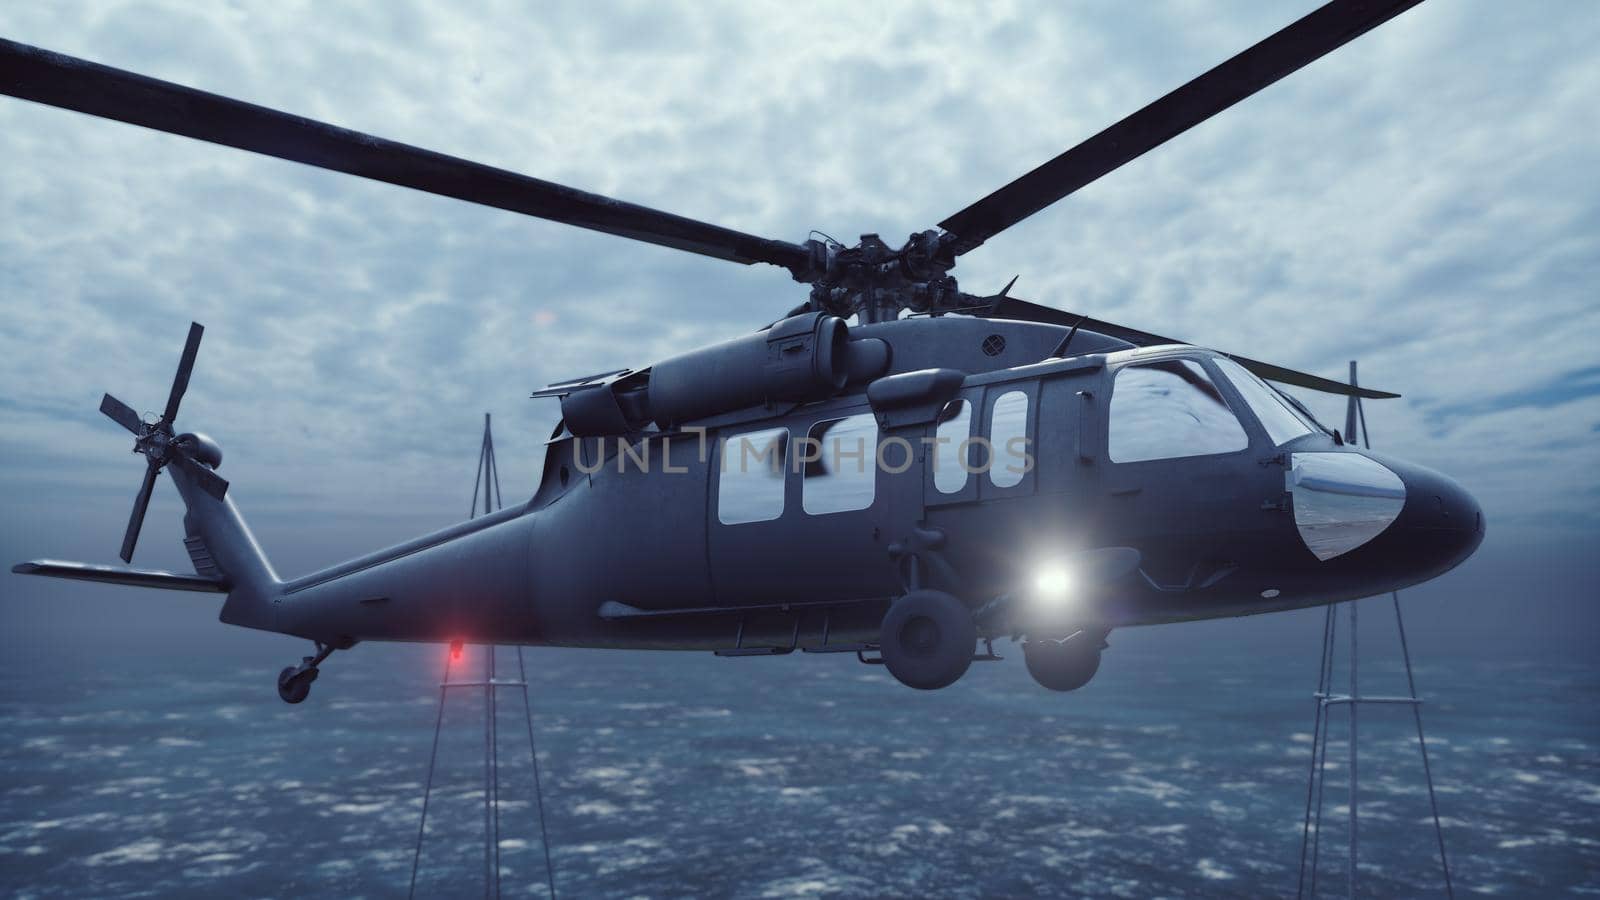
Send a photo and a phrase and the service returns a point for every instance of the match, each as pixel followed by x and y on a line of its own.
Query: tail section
pixel 221 546
pixel 225 555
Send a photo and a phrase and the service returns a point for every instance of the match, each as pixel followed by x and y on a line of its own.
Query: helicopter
pixel 894 469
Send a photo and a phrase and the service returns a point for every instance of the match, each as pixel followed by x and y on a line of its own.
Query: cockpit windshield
pixel 1283 423
pixel 1294 402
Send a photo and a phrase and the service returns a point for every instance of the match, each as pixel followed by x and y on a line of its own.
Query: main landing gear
pixel 927 639
pixel 294 682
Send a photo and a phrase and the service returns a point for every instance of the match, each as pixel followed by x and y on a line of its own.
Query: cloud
pixel 1416 200
pixel 1573 385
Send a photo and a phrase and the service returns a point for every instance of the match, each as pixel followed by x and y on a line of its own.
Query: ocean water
pixel 1174 773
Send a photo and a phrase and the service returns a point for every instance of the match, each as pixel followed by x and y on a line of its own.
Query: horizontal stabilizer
pixel 121 575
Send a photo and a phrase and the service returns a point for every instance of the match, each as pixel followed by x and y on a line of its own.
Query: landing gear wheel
pixel 926 639
pixel 1062 665
pixel 294 683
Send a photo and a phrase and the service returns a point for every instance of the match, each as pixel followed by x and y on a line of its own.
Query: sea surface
pixel 1175 773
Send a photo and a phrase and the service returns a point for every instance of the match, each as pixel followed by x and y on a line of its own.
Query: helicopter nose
pixel 1440 525
pixel 1396 523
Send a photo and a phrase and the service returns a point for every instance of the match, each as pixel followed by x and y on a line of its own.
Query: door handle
pixel 1085 422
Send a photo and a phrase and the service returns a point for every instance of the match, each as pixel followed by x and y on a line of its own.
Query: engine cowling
pixel 797 360
pixel 801 358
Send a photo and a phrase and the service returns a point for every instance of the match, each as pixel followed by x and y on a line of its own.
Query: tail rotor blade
pixel 140 504
pixel 209 481
pixel 122 414
pixel 180 382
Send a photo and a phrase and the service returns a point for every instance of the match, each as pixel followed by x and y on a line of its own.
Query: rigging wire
pixel 487 479
pixel 1321 729
pixel 538 791
pixel 433 757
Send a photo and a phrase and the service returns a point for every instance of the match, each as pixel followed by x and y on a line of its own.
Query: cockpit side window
pixel 1169 409
pixel 1282 421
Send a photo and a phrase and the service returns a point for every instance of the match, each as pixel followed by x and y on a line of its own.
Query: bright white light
pixel 1053 587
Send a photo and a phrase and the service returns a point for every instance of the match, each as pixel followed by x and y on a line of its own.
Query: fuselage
pixel 966 468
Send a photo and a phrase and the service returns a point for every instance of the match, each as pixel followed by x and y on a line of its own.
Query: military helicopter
pixel 947 470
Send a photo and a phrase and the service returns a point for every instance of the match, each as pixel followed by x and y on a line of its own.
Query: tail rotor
pixel 197 454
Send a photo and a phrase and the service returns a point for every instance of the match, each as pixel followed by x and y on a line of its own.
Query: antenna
pixel 1310 838
pixel 488 480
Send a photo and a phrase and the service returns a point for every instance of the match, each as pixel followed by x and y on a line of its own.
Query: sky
pixel 1423 200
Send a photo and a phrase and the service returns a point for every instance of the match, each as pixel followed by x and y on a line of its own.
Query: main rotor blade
pixel 122 414
pixel 180 381
pixel 1024 311
pixel 1269 372
pixel 1350 407
pixel 1320 32
pixel 140 504
pixel 71 83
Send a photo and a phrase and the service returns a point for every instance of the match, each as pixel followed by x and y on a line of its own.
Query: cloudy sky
pixel 1425 200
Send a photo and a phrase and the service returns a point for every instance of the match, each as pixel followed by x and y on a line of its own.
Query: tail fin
pixel 221 546
pixel 226 560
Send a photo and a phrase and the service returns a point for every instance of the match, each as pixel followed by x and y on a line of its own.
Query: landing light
pixel 1052 587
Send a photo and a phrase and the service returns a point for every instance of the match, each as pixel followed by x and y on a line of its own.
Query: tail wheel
pixel 927 639
pixel 1062 665
pixel 294 685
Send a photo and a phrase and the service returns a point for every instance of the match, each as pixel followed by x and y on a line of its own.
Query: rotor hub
pixel 875 281
pixel 155 443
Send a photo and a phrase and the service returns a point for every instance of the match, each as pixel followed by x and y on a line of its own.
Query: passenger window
pixel 950 445
pixel 1009 454
pixel 751 486
pixel 1170 409
pixel 1283 424
pixel 841 465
